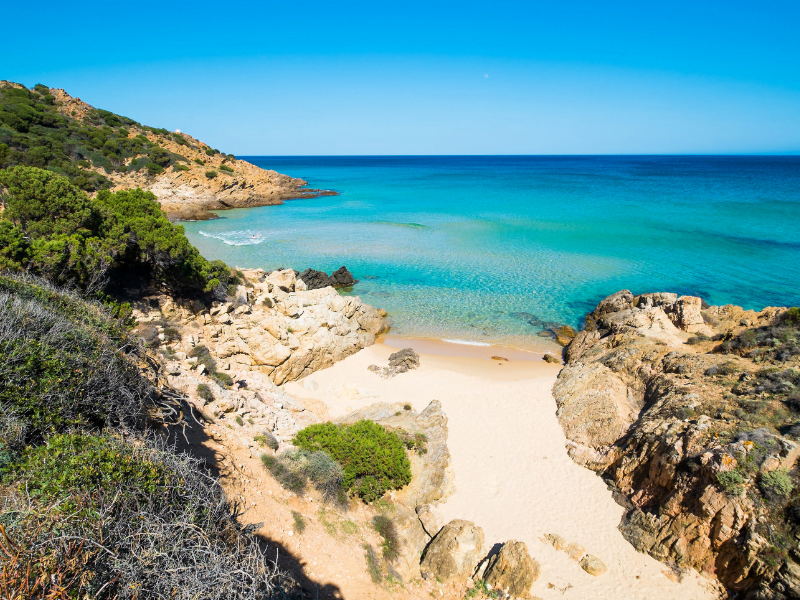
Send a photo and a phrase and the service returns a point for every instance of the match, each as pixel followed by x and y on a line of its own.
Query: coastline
pixel 513 476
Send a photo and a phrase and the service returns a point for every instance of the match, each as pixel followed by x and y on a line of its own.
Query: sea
pixel 499 249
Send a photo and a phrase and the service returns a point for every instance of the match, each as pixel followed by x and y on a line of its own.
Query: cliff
pixel 689 413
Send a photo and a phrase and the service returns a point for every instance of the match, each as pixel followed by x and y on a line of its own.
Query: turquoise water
pixel 485 249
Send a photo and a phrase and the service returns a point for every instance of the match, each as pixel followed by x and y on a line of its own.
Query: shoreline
pixel 512 474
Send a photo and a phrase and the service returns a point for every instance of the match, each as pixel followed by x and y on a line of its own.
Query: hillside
pixel 97 149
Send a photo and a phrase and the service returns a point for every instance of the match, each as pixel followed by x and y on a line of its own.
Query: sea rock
pixel 549 358
pixel 593 565
pixel 314 280
pixel 512 570
pixel 341 277
pixel 454 552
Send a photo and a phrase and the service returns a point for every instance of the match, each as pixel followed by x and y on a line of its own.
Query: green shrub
pixel 199 162
pixel 730 481
pixel 179 167
pixel 268 440
pixel 211 174
pixel 295 468
pixel 373 459
pixel 222 378
pixel 390 542
pixel 299 522
pixel 792 316
pixel 239 421
pixel 776 484
pixel 209 151
pixel 226 168
pixel 153 168
pixel 205 392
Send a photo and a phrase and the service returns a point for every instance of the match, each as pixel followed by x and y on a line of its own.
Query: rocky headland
pixel 689 413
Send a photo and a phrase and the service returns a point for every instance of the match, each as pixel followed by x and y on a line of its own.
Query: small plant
pixel 481 589
pixel 373 564
pixel 698 339
pixel 179 167
pixel 776 484
pixel 205 392
pixel 171 334
pixel 268 440
pixel 199 162
pixel 211 174
pixel 730 481
pixel 299 522
pixel 225 168
pixel 390 543
pixel 239 421
pixel 223 378
pixel 349 527
pixel 329 526
pixel 406 407
pixel 296 467
pixel 154 169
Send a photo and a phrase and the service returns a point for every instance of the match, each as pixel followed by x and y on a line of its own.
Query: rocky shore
pixel 687 411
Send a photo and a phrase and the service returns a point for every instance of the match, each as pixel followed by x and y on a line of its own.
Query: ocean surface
pixel 494 249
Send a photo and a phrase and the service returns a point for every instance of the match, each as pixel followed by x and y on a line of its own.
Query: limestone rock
pixel 284 279
pixel 454 552
pixel 430 518
pixel 593 565
pixel 512 570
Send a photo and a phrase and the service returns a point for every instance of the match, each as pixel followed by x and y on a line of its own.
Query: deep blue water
pixel 476 248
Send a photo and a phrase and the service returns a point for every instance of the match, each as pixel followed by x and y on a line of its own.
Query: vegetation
pixel 299 522
pixel 776 483
pixel 211 174
pixel 295 468
pixel 779 342
pixel 84 149
pixel 730 481
pixel 373 459
pixel 203 356
pixel 268 440
pixel 91 504
pixel 50 228
pixel 390 542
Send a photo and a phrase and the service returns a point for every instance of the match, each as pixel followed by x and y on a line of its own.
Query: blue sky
pixel 429 77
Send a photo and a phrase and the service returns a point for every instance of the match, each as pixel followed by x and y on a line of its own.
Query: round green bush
pixel 373 459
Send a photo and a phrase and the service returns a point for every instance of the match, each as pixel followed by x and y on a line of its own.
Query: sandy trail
pixel 512 473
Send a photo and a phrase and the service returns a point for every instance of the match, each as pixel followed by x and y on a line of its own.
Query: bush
pixel 373 459
pixel 268 440
pixel 730 481
pixel 299 522
pixel 225 168
pixel 295 468
pixel 390 543
pixel 205 392
pixel 776 484
pixel 211 174
pixel 179 167
pixel 154 168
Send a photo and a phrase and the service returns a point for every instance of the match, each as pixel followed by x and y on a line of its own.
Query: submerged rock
pixel 315 280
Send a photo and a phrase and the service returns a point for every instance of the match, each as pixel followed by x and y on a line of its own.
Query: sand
pixel 512 473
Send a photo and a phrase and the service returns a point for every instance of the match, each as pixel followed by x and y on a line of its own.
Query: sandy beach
pixel 513 477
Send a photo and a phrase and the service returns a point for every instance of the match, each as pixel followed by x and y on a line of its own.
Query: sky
pixel 433 77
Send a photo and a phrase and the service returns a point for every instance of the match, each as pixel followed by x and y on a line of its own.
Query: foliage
pixel 211 174
pixel 203 356
pixel 225 168
pixel 268 440
pixel 390 542
pixel 299 522
pixel 776 484
pixel 52 229
pixel 34 133
pixel 205 392
pixel 295 468
pixel 730 481
pixel 779 341
pixel 373 459
pixel 63 364
pixel 92 505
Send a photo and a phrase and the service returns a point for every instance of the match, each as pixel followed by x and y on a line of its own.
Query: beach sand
pixel 513 476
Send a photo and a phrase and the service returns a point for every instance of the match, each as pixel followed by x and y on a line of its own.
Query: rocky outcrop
pixel 663 397
pixel 432 475
pixel 315 280
pixel 454 552
pixel 401 361
pixel 512 570
pixel 270 327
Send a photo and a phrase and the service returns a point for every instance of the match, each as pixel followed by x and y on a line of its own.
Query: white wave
pixel 236 238
pixel 466 343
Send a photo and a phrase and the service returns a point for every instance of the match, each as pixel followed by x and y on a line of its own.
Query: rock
pixel 558 542
pixel 454 552
pixel 430 518
pixel 593 565
pixel 564 334
pixel 284 279
pixel 549 358
pixel 401 361
pixel 575 551
pixel 500 358
pixel 512 570
pixel 314 280
pixel 341 277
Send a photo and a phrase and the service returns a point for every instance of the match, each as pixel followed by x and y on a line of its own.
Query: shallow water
pixel 494 249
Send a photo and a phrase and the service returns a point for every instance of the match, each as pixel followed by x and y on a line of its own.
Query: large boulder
pixel 314 280
pixel 454 552
pixel 341 277
pixel 512 570
pixel 283 279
